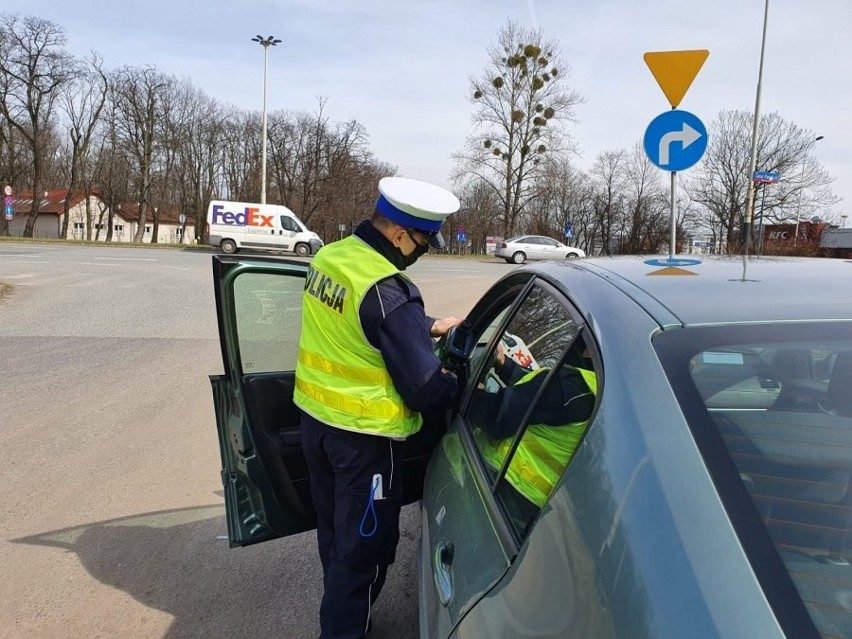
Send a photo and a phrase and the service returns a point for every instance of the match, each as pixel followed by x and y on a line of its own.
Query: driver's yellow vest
pixel 341 378
pixel 543 453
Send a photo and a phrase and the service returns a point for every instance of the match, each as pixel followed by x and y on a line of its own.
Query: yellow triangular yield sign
pixel 675 71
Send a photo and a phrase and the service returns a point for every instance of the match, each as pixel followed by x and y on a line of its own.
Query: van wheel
pixel 228 246
pixel 302 250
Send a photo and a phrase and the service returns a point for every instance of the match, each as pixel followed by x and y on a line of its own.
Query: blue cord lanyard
pixel 371 509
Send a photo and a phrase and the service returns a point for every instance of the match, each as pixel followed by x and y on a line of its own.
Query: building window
pixel 179 232
pixel 79 226
pixel 99 227
pixel 118 228
pixel 147 229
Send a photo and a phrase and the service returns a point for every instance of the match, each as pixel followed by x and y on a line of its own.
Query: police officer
pixel 366 370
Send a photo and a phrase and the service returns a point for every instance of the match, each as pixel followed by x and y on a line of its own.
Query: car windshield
pixel 772 405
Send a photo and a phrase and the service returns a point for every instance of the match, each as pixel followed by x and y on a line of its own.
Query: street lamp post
pixel 802 188
pixel 843 221
pixel 755 131
pixel 267 42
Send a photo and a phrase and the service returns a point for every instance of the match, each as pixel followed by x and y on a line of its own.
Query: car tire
pixel 518 257
pixel 302 250
pixel 228 246
pixel 571 256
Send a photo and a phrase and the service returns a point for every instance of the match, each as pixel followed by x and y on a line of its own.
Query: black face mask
pixel 412 258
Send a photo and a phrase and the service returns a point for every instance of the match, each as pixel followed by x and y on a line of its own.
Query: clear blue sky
pixel 402 68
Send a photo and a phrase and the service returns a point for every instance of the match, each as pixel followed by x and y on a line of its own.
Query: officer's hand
pixel 441 326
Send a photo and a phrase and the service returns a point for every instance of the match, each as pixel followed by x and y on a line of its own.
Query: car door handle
pixel 442 562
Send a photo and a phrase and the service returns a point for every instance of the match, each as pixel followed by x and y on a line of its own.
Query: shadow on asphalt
pixel 177 562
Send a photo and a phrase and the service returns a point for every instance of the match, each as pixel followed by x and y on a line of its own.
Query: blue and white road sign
pixel 569 229
pixel 675 140
pixel 461 237
pixel 766 177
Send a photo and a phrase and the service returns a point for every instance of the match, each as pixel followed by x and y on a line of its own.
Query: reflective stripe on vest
pixel 341 378
pixel 543 452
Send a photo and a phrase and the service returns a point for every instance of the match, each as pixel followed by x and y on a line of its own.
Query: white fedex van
pixel 235 225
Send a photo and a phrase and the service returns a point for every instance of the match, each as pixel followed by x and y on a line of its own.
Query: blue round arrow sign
pixel 675 140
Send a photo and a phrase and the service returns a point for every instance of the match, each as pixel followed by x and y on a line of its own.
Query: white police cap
pixel 417 205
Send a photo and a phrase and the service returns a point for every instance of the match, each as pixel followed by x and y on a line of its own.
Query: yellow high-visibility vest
pixel 341 378
pixel 543 452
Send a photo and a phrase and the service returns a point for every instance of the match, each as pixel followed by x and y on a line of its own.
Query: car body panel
pixel 635 530
pixel 722 290
pixel 460 523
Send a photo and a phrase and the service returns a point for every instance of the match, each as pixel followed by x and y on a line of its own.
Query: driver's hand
pixel 500 358
pixel 441 326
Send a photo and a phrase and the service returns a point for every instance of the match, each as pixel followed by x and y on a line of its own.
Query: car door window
pixel 267 311
pixel 531 403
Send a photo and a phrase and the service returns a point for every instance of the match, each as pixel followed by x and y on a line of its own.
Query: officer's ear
pixel 396 236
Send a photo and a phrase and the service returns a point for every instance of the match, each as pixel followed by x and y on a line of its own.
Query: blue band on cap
pixel 407 220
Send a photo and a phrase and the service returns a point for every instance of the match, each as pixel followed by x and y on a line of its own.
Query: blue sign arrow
pixel 675 140
pixel 569 229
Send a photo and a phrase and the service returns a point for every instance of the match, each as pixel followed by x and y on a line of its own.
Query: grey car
pixel 702 491
pixel 517 250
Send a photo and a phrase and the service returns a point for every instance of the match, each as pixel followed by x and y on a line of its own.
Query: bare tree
pixel 561 202
pixel 33 68
pixel 522 102
pixel 139 95
pixel 197 128
pixel 646 222
pixel 720 182
pixel 82 100
pixel 608 175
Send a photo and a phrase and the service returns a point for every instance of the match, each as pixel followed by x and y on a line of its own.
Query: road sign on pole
pixel 569 229
pixel 766 177
pixel 675 71
pixel 675 140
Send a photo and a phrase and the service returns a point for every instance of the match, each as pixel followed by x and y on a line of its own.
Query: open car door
pixel 264 474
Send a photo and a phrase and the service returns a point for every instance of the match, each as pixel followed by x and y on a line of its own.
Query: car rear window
pixel 771 409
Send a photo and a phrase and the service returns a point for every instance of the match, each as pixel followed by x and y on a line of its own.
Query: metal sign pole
pixel 672 222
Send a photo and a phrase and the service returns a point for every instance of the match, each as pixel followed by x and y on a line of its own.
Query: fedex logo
pixel 250 217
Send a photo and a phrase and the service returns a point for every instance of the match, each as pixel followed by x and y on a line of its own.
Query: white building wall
pixel 167 233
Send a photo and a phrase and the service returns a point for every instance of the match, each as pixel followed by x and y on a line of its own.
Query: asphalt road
pixel 111 511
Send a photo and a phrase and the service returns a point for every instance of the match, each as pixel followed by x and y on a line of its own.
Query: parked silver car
pixel 517 250
pixel 700 486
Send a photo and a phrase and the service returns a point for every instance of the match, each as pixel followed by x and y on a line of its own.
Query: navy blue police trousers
pixel 357 532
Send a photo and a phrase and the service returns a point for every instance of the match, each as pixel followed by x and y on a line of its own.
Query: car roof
pixel 716 289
